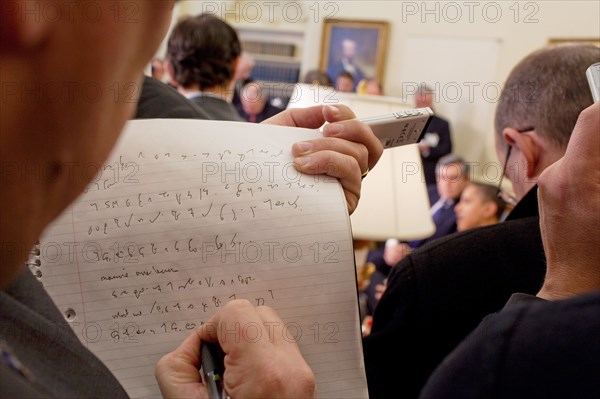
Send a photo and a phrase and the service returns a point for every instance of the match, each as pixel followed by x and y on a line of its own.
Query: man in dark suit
pixel 254 105
pixel 439 293
pixel 437 140
pixel 534 348
pixel 452 176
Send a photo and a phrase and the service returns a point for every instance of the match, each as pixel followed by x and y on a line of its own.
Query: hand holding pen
pixel 261 364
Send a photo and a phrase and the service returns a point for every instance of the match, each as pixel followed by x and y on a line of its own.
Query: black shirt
pixel 531 349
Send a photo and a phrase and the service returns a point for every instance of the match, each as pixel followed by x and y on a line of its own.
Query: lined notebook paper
pixel 187 215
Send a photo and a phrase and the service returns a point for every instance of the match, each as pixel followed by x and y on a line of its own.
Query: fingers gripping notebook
pixel 185 216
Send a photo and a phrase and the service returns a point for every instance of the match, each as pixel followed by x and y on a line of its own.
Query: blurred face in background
pixel 344 84
pixel 473 211
pixel 451 181
pixel 253 101
pixel 423 100
pixel 374 88
pixel 348 49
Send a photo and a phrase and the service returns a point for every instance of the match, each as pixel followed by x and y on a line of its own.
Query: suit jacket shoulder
pixel 217 109
pixel 157 100
pixel 527 206
pixel 40 338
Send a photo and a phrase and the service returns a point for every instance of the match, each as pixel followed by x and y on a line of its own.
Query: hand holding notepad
pixel 347 151
pixel 188 215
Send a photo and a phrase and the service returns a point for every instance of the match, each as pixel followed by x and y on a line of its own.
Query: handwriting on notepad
pixel 220 247
pixel 188 215
pixel 130 332
pixel 160 307
pixel 125 171
pixel 213 211
pixel 258 189
pixel 190 284
pixel 178 198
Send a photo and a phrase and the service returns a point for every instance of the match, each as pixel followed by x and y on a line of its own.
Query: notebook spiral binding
pixel 34 262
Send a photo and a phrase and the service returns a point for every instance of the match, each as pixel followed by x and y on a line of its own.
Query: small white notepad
pixel 186 215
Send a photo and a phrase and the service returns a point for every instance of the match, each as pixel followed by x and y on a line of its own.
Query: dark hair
pixel 315 76
pixel 453 159
pixel 345 74
pixel 201 50
pixel 547 91
pixel 489 193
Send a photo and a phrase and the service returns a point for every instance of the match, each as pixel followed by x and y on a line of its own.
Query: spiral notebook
pixel 185 216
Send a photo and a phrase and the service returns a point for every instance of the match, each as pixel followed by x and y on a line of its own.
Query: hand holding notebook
pixel 188 215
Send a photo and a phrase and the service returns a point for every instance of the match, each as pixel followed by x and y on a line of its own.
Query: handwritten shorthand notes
pixel 188 215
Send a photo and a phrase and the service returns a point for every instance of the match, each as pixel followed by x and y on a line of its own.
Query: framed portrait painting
pixel 356 47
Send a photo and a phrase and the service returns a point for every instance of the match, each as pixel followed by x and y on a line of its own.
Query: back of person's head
pixel 452 176
pixel 546 91
pixel 202 50
pixel 450 159
pixel 479 206
pixel 317 77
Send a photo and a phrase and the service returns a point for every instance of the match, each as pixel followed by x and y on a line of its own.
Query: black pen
pixel 212 358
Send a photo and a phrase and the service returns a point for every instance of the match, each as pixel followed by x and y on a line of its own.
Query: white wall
pixel 519 27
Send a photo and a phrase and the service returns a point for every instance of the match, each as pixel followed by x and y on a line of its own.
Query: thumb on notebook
pixel 348 150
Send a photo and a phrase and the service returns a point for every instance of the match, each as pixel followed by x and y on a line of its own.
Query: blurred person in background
pixel 344 82
pixel 255 106
pixel 479 206
pixel 437 140
pixel 203 53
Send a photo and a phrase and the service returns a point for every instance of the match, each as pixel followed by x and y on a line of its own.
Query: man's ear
pixel 490 209
pixel 171 73
pixel 23 25
pixel 525 143
pixel 235 64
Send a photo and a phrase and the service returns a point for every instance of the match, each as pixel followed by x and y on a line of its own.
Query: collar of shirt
pixel 197 93
pixel 441 203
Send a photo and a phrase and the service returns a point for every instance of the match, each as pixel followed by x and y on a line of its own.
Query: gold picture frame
pixel 590 40
pixel 358 47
